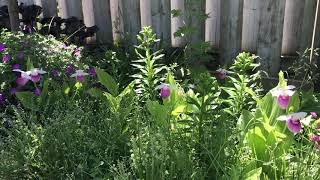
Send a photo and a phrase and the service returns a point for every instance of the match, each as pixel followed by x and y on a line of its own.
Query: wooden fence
pixel 269 28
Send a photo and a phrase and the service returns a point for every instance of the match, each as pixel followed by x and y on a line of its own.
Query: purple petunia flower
pixel 314 115
pixel 6 58
pixel 2 47
pixel 283 95
pixel 79 75
pixel 13 91
pixel 20 55
pixel 92 72
pixel 37 91
pixel 16 66
pixel 294 121
pixel 221 74
pixel 70 69
pixel 2 98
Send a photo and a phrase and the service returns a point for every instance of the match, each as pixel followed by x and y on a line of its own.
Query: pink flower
pixel 314 138
pixel 165 90
pixel 16 66
pixel 6 58
pixel 283 96
pixel 80 75
pixel 23 79
pixel 2 47
pixel 314 115
pixel 294 121
pixel 221 74
pixel 77 52
pixel 35 74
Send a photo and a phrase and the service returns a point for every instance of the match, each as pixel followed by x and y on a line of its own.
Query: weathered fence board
pixel 270 34
pixel 212 25
pixel 160 16
pixel 177 22
pixel 103 21
pixel 250 26
pixel 231 28
pixel 293 20
pixel 145 13
pixel 116 19
pixel 131 19
pixel 88 18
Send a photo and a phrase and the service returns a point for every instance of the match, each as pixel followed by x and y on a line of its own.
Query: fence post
pixel 212 32
pixel 231 28
pixel 117 20
pixel 103 20
pixel 88 18
pixel 13 14
pixel 250 26
pixel 49 8
pixel 145 13
pixel 270 35
pixel 293 20
pixel 131 19
pixel 177 22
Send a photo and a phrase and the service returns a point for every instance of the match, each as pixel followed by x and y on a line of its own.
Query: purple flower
pixel 2 98
pixel 314 115
pixel 283 96
pixel 6 58
pixel 92 72
pixel 70 69
pixel 79 75
pixel 77 52
pixel 16 66
pixel 165 90
pixel 294 121
pixel 35 74
pixel 20 55
pixel 13 91
pixel 314 138
pixel 55 73
pixel 2 47
pixel 24 77
pixel 220 74
pixel 37 91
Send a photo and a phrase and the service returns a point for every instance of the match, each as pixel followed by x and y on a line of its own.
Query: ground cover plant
pixel 66 115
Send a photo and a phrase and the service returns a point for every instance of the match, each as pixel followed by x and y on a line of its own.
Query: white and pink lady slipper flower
pixel 221 73
pixel 35 74
pixel 283 95
pixel 80 75
pixel 165 90
pixel 294 121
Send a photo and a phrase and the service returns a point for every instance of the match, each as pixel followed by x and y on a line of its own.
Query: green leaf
pixel 108 82
pixel 28 100
pixel 254 174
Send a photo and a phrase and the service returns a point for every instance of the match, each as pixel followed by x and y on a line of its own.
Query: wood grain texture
pixel 293 20
pixel 63 9
pixel 116 19
pixel 212 25
pixel 88 18
pixel 177 22
pixel 270 35
pixel 103 21
pixel 145 13
pixel 250 26
pixel 131 18
pixel 231 30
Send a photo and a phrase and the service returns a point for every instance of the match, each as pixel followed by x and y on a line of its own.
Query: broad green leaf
pixel 28 100
pixel 107 81
pixel 257 142
pixel 254 174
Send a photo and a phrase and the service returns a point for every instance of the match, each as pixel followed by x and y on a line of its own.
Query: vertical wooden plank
pixel 103 21
pixel 212 25
pixel 161 19
pixel 145 13
pixel 13 15
pixel 74 8
pixel 116 19
pixel 177 22
pixel 231 27
pixel 88 18
pixel 131 19
pixel 26 2
pixel 293 19
pixel 307 25
pixel 250 27
pixel 63 9
pixel 270 35
pixel 49 8
pixel 3 3
pixel 195 10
